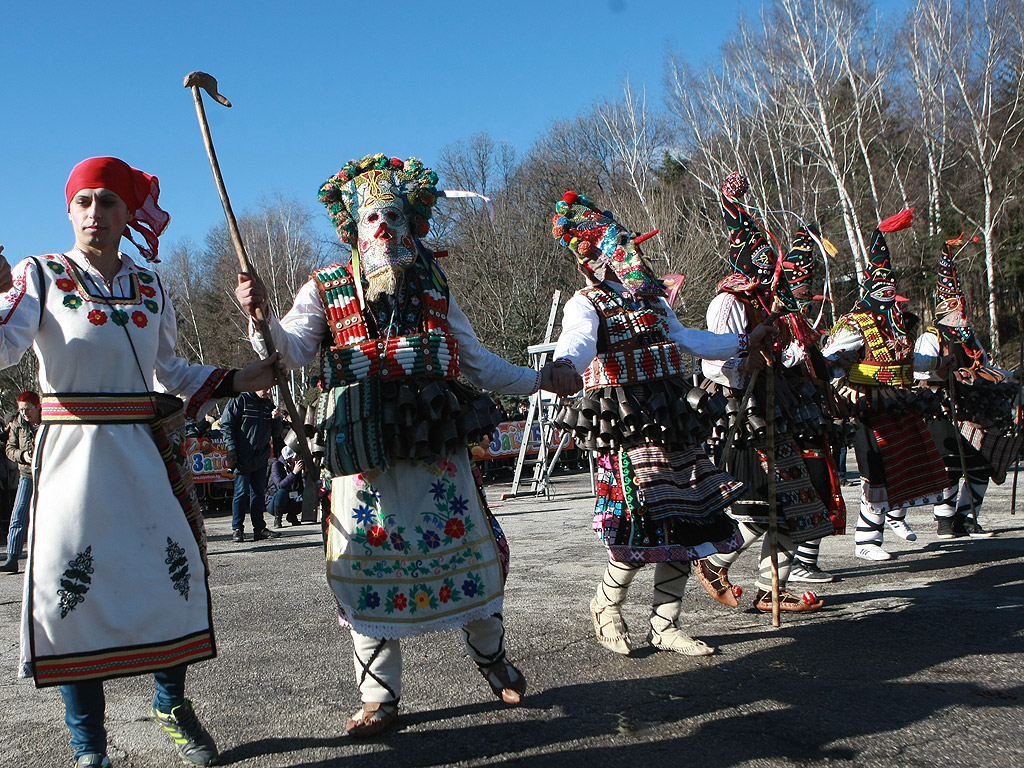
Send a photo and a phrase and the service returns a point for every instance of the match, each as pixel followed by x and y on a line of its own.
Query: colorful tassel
pixel 901 220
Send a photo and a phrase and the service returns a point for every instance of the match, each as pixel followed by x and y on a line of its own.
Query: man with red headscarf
pixel 116 582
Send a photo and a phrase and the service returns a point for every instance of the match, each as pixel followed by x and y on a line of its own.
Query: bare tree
pixel 979 45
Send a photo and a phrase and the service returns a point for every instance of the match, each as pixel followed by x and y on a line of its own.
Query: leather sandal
pixel 716 582
pixel 674 639
pixel 610 627
pixel 507 682
pixel 788 601
pixel 372 720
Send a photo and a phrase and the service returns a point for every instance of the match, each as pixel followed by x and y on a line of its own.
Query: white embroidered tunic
pixel 115 584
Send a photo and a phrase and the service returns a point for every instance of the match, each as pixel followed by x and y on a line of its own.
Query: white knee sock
pixel 378 666
pixel 870 524
pixel 669 584
pixel 749 533
pixel 485 639
pixel 784 558
pixel 615 583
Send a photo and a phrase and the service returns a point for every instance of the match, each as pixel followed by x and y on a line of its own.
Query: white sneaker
pixel 871 552
pixel 809 573
pixel 901 529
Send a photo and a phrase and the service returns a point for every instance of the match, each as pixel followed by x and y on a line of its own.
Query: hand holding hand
pixel 251 293
pixel 6 277
pixel 760 337
pixel 262 374
pixel 560 379
pixel 946 361
pixel 846 360
pixel 752 362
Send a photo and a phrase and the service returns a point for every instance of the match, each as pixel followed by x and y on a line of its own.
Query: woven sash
pixel 95 408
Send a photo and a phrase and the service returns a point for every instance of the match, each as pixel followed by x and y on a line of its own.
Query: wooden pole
pixel 773 507
pixel 311 488
pixel 960 449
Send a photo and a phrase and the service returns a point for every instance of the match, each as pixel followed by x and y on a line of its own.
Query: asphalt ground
pixel 912 662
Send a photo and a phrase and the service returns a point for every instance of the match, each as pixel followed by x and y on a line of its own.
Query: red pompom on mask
pixel 735 185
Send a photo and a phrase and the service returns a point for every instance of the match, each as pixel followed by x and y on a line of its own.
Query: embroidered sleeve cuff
pixel 744 343
pixel 226 388
pixel 209 390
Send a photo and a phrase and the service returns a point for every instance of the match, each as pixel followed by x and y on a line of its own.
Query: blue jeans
pixel 19 518
pixel 282 504
pixel 250 489
pixel 84 707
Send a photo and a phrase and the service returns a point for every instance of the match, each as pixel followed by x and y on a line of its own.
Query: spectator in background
pixel 20 442
pixel 246 428
pixel 279 426
pixel 9 477
pixel 286 477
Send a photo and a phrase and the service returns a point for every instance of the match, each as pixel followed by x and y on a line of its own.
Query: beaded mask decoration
pixel 600 242
pixel 379 205
pixel 951 317
pixel 879 296
pixel 799 262
pixel 952 308
pixel 750 254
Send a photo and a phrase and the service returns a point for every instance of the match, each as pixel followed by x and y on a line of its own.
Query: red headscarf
pixel 139 190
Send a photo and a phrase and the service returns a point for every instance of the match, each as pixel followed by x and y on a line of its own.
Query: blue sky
pixel 312 83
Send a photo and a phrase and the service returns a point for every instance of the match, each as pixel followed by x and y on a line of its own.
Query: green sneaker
pixel 194 744
pixel 92 760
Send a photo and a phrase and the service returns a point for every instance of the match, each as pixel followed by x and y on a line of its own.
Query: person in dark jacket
pixel 20 442
pixel 286 476
pixel 246 426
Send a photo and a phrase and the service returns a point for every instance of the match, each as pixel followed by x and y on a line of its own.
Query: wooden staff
pixel 311 489
pixel 773 508
pixel 1016 459
pixel 960 449
pixel 1016 419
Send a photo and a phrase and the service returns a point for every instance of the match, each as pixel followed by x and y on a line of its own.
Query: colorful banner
pixel 209 460
pixel 507 438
